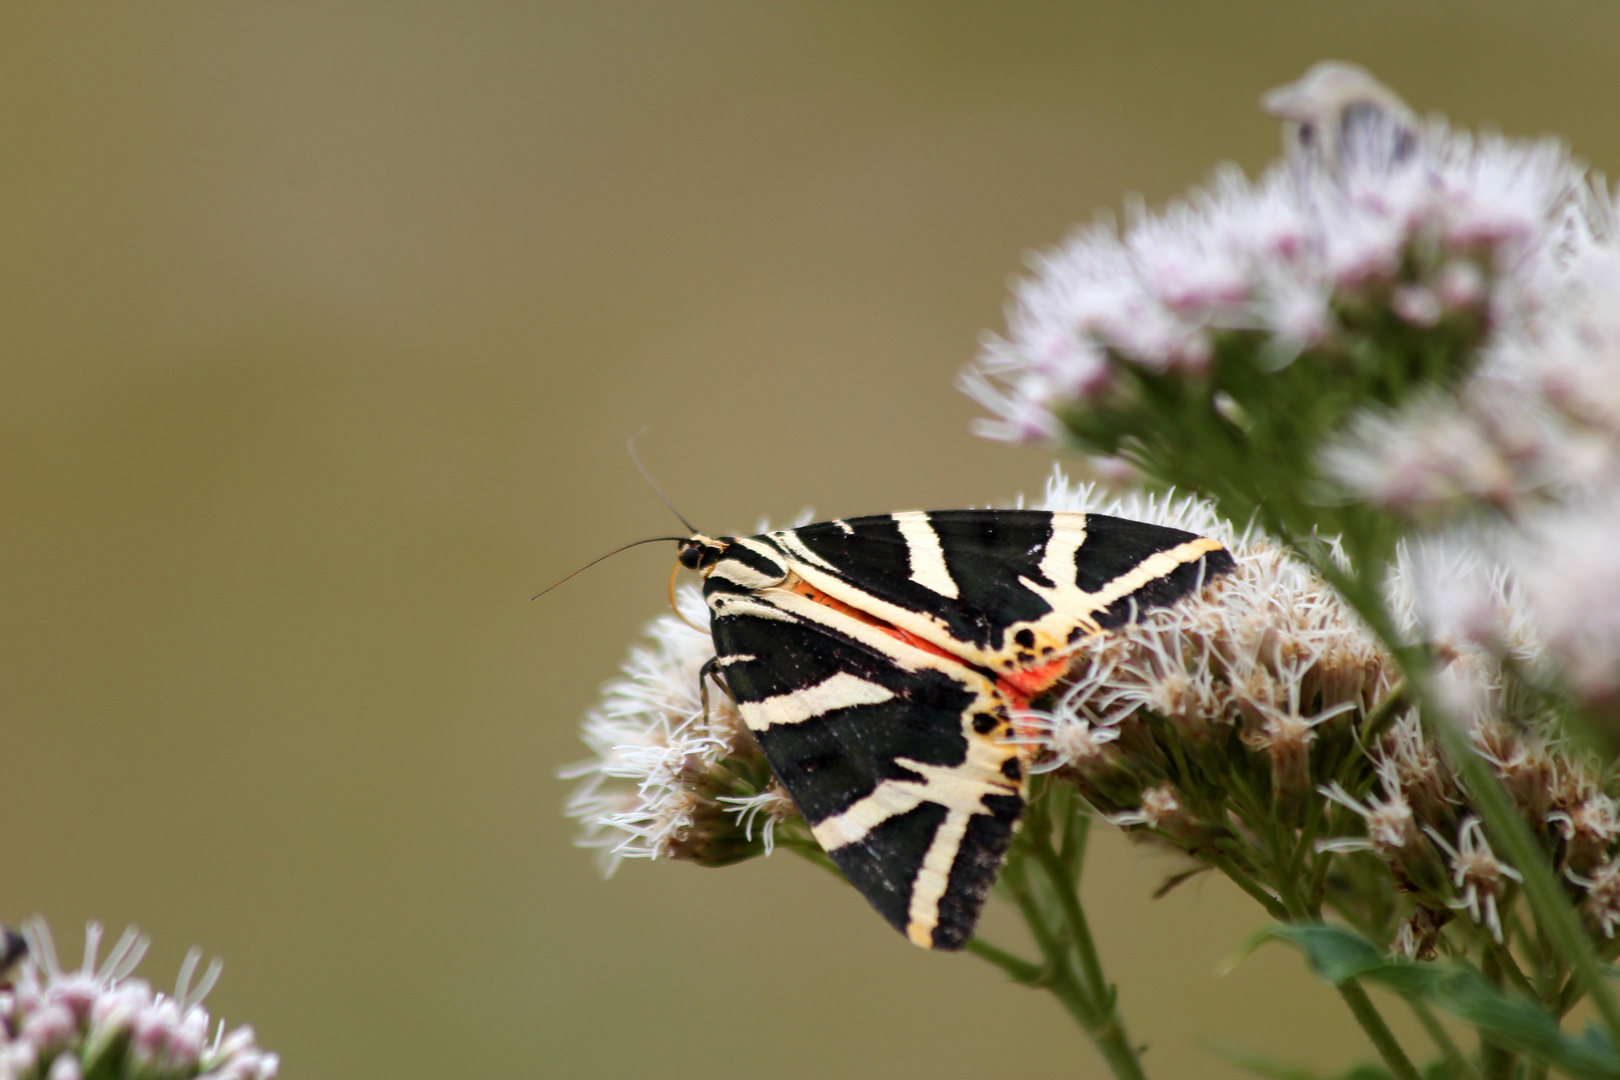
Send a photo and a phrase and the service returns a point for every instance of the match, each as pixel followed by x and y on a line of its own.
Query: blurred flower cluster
pixel 1398 326
pixel 99 1022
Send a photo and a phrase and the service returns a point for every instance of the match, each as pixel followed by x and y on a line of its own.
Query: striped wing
pixel 878 661
pixel 1006 590
pixel 893 753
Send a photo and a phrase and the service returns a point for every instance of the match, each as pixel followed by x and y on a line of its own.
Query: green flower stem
pixel 1510 967
pixel 1096 1017
pixel 1075 836
pixel 1549 971
pixel 1383 714
pixel 1018 969
pixel 1496 1061
pixel 1361 1006
pixel 1302 847
pixel 1059 977
pixel 1456 1062
pixel 1273 906
pixel 1074 917
pixel 1087 997
pixel 811 851
pixel 1366 1014
pixel 1286 885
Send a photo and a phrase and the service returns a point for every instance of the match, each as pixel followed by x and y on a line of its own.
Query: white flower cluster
pixel 1486 221
pixel 1272 653
pixel 1272 649
pixel 661 783
pixel 97 1021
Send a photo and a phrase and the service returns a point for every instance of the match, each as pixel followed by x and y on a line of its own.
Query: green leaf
pixel 1510 1020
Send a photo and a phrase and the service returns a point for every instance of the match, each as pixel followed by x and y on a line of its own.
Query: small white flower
pixel 1405 945
pixel 1160 809
pixel 1419 935
pixel 647 732
pixel 1602 896
pixel 1477 871
pixel 1409 760
pixel 1451 591
pixel 1391 828
pixel 1068 739
pixel 769 808
pixel 1500 192
pixel 1589 827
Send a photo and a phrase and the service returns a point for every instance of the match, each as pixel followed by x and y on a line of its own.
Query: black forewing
pixel 830 762
pixel 1116 546
pixel 986 552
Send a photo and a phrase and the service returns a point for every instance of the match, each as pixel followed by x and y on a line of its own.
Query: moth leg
pixel 711 670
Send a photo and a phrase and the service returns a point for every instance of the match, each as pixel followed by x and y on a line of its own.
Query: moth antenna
pixel 630 448
pixel 609 555
pixel 676 608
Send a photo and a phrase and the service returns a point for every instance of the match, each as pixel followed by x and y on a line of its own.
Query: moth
pixel 881 663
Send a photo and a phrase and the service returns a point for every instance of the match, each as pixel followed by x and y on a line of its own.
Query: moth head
pixel 699 552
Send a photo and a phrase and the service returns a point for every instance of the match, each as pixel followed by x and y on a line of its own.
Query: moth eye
pixel 984 723
pixel 1026 638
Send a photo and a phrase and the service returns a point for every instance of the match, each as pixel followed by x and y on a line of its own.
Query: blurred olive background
pixel 323 327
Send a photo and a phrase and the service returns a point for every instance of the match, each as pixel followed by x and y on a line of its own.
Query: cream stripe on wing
pixel 932 880
pixel 1069 600
pixel 889 798
pixel 740 573
pixel 1152 568
pixel 954 787
pixel 1068 537
pixel 728 604
pixel 795 707
pixel 928 567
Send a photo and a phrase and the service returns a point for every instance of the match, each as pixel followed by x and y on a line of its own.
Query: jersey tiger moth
pixel 881 663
